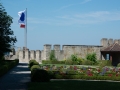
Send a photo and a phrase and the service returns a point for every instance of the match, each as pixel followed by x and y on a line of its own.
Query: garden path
pixel 16 79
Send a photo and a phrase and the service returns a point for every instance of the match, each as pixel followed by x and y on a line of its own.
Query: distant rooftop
pixel 112 48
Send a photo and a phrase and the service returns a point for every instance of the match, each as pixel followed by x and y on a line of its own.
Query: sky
pixel 65 22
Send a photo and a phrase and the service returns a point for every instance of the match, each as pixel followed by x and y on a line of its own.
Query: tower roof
pixel 112 48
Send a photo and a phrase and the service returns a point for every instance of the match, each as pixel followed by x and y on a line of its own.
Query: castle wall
pixel 47 50
pixel 38 56
pixel 66 52
pixel 81 50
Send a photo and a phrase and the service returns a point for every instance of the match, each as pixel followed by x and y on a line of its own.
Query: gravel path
pixel 16 79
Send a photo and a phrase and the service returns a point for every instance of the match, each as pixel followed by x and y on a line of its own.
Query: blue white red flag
pixel 22 18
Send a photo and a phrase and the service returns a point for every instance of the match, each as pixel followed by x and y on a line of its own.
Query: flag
pixel 22 18
pixel 22 26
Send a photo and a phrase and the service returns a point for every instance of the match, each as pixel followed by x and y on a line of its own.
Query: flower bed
pixel 82 72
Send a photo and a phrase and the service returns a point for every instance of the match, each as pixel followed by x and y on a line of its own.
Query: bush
pixel 103 63
pixel 79 60
pixel 32 62
pixel 91 57
pixel 69 62
pixel 35 67
pixel 87 62
pixel 52 62
pixel 40 75
pixel 7 65
pixel 73 57
pixel 52 55
pixel 118 65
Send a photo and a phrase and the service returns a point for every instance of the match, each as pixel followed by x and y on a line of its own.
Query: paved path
pixel 16 79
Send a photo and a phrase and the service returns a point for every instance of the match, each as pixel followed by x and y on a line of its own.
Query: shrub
pixel 73 57
pixel 35 67
pixel 79 60
pixel 118 65
pixel 40 75
pixel 7 65
pixel 52 62
pixel 68 62
pixel 103 63
pixel 87 62
pixel 32 62
pixel 52 55
pixel 91 57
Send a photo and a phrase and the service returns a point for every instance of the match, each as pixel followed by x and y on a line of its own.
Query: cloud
pixel 91 17
pixel 77 19
pixel 63 7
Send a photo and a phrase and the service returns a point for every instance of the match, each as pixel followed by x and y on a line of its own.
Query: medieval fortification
pixel 67 50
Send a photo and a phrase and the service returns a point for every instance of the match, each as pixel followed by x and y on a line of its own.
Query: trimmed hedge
pixel 39 75
pixel 52 62
pixel 32 62
pixel 35 67
pixel 86 77
pixel 7 65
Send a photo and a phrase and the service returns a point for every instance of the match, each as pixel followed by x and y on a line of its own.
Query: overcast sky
pixel 76 22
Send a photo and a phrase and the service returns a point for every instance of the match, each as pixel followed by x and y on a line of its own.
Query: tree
pixel 52 55
pixel 6 34
pixel 91 57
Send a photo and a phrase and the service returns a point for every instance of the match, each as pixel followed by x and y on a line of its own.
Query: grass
pixel 74 85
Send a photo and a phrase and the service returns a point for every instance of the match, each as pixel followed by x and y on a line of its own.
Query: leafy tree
pixel 91 57
pixel 74 57
pixel 52 55
pixel 6 34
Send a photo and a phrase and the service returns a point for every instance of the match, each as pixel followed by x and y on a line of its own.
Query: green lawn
pixel 74 85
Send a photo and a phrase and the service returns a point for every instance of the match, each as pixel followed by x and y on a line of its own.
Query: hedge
pixel 7 65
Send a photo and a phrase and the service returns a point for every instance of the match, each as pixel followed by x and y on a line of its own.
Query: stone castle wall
pixel 66 52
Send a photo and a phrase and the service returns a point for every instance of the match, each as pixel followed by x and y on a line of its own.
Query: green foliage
pixel 69 62
pixel 73 60
pixel 6 34
pixel 103 63
pixel 87 62
pixel 91 57
pixel 7 65
pixel 52 55
pixel 52 62
pixel 80 60
pixel 118 65
pixel 35 67
pixel 32 62
pixel 74 57
pixel 40 75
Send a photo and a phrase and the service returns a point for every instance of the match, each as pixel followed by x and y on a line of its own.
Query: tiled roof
pixel 113 47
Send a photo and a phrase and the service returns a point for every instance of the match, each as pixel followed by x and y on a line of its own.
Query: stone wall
pixel 66 52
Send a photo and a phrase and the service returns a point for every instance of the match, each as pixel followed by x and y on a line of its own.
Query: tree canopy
pixel 6 34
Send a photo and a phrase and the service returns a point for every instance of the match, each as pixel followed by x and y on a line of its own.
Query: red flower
pixel 110 75
pixel 116 75
pixel 98 70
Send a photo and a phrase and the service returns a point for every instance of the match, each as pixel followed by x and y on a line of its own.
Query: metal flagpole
pixel 26 30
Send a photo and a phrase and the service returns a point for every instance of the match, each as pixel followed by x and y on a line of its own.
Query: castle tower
pixel 47 50
pixel 118 41
pixel 27 55
pixel 110 41
pixel 115 41
pixel 104 42
pixel 57 51
pixel 38 56
pixel 32 55
pixel 21 56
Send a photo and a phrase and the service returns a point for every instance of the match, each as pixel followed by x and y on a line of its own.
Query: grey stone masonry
pixel 38 56
pixel 67 50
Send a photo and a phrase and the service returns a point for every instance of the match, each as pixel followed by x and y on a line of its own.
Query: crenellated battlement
pixel 24 55
pixel 106 42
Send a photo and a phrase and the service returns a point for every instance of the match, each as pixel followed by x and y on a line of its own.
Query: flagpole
pixel 26 30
